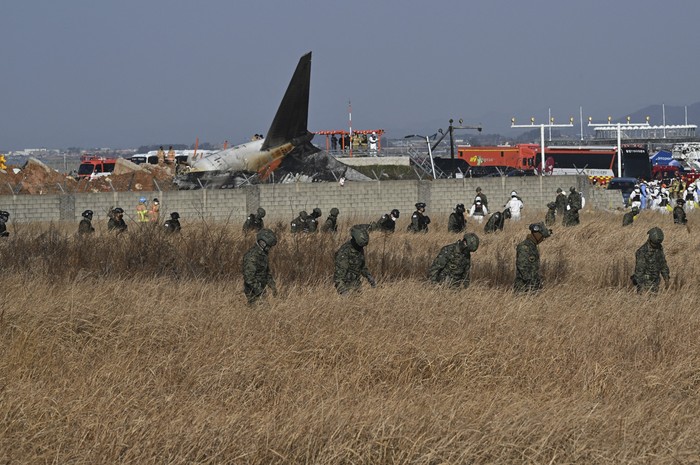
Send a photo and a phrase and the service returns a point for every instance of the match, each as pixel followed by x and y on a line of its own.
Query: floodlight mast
pixel 551 124
pixel 618 127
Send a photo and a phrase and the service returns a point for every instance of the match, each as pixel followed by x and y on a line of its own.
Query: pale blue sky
pixel 132 72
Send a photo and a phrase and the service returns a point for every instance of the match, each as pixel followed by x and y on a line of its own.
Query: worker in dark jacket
pixel 527 259
pixel 255 222
pixel 350 262
pixel 116 221
pixel 85 226
pixel 456 222
pixel 312 220
pixel 299 224
pixel 650 263
pixel 551 217
pixel 497 221
pixel 173 224
pixel 387 222
pixel 453 262
pixel 256 267
pixel 419 220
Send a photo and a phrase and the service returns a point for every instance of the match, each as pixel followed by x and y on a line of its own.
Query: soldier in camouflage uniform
pixel 551 217
pixel 299 223
pixel 560 201
pixel 650 263
pixel 350 262
pixel 679 213
pixel 85 226
pixel 456 222
pixel 254 222
pixel 331 224
pixel 573 205
pixel 256 266
pixel 629 217
pixel 419 220
pixel 312 220
pixel 527 259
pixel 497 221
pixel 453 262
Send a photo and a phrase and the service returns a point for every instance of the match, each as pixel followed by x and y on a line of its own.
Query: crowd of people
pixel 452 264
pixel 660 197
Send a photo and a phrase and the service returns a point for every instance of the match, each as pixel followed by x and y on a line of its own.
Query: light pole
pixel 542 126
pixel 617 127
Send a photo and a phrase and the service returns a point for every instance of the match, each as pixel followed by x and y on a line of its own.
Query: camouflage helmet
pixel 540 228
pixel 118 211
pixel 572 189
pixel 175 215
pixel 316 212
pixel 4 215
pixel 656 236
pixel 86 214
pixel 420 205
pixel 635 209
pixel 303 215
pixel 559 190
pixel 471 240
pixel 551 205
pixel 395 213
pixel 334 211
pixel 507 214
pixel 261 212
pixel 267 236
pixel 360 235
pixel 460 208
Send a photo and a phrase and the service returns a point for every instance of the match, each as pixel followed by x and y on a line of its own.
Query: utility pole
pixel 542 126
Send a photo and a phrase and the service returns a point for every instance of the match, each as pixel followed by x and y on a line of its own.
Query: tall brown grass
pixel 140 349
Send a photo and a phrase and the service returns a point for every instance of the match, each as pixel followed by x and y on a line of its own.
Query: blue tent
pixel 661 158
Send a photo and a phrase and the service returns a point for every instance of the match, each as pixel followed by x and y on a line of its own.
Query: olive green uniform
pixel 349 267
pixel 527 266
pixel 253 223
pixel 451 266
pixel 256 273
pixel 650 266
pixel 628 218
pixel 117 225
pixel 331 224
pixel 85 227
pixel 551 217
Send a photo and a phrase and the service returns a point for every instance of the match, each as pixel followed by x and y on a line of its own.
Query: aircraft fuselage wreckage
pixel 287 135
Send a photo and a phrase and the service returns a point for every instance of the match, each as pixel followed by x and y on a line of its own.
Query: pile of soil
pixel 35 178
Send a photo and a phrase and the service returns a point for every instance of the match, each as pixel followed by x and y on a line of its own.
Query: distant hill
pixel 674 114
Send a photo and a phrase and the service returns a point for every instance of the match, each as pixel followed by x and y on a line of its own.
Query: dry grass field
pixel 141 349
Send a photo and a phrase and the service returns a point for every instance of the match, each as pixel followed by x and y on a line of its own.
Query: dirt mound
pixel 36 178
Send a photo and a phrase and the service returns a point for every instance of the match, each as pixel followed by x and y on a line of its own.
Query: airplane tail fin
pixel 293 113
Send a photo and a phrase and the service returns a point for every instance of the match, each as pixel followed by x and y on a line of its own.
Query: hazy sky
pixel 132 72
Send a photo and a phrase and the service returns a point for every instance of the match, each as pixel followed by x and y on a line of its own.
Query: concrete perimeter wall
pixel 284 201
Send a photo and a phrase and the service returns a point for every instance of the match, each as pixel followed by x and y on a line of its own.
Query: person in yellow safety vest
pixel 142 211
pixel 154 212
pixel 171 155
pixel 161 156
pixel 2 162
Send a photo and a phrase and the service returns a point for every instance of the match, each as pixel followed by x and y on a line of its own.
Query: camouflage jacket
pixel 527 266
pixel 349 267
pixel 256 272
pixel 561 202
pixel 650 266
pixel 451 266
pixel 551 217
pixel 299 225
pixel 331 224
pixel 456 223
pixel 574 201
